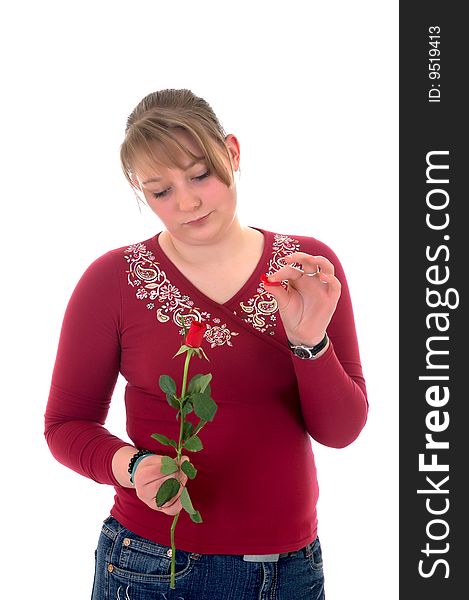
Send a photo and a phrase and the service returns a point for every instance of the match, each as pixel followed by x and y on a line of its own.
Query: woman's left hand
pixel 308 304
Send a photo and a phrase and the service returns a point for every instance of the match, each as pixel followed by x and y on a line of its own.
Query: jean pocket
pixel 314 555
pixel 138 560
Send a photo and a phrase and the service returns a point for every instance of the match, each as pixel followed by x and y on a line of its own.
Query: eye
pixel 203 176
pixel 164 192
pixel 159 194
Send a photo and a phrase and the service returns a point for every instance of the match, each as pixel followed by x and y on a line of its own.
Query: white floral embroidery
pixel 150 281
pixel 145 274
pixel 264 305
pixel 218 336
pixel 169 291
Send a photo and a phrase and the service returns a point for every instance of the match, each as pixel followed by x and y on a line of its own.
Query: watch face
pixel 303 352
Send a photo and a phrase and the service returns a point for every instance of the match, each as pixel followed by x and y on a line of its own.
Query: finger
pixel 334 286
pixel 173 510
pixel 310 263
pixel 150 486
pixel 276 289
pixel 284 273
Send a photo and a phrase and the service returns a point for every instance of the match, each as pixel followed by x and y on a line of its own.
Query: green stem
pixel 179 452
pixel 173 552
pixel 183 393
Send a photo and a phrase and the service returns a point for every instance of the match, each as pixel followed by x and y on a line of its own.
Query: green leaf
pixel 167 384
pixel 194 444
pixel 164 440
pixel 172 401
pixel 199 383
pixel 197 517
pixel 187 430
pixel 199 426
pixel 204 406
pixel 187 408
pixel 161 438
pixel 189 469
pixel 168 465
pixel 167 491
pixel 186 502
pixel 205 356
pixel 182 349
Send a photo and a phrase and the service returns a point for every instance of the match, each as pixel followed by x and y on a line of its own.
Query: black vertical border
pixel 425 127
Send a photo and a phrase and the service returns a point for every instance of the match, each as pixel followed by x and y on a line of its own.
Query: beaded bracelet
pixel 136 458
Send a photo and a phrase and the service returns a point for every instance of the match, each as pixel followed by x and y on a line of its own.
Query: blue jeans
pixel 129 567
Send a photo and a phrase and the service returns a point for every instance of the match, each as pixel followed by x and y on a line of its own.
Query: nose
pixel 187 201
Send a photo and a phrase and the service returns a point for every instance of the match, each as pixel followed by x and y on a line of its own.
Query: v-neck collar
pixel 252 281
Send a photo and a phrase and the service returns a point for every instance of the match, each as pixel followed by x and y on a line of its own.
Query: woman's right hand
pixel 148 479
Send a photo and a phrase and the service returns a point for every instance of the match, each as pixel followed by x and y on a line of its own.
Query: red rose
pixel 195 397
pixel 195 334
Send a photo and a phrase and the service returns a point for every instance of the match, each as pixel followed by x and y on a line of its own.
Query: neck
pixel 219 251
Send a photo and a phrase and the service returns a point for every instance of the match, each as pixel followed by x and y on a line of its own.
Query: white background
pixel 310 90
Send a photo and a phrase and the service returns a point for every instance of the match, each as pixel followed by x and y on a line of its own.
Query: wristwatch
pixel 309 352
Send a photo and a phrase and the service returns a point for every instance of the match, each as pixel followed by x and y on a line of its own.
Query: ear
pixel 233 146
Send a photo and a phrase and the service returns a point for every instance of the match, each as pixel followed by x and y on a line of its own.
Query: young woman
pixel 284 359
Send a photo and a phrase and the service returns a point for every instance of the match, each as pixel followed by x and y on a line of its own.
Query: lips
pixel 197 220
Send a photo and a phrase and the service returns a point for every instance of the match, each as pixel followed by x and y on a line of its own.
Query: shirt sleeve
pixel 84 375
pixel 332 387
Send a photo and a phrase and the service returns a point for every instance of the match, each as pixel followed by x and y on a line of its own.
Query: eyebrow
pixel 186 168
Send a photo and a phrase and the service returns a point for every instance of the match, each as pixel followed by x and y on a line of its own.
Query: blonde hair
pixel 153 123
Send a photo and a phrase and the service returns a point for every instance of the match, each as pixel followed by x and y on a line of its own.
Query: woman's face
pixel 193 204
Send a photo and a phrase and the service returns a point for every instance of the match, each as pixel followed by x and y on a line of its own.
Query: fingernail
pixel 265 281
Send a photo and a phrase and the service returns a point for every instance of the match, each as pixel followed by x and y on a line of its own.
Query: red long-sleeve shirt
pixel 256 485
